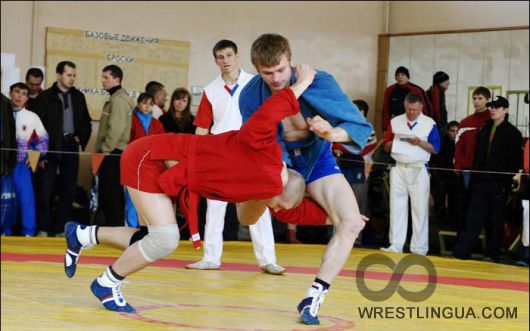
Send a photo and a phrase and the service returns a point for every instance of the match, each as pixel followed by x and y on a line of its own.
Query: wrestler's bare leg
pixel 117 237
pixel 80 237
pixel 120 237
pixel 334 194
pixel 153 209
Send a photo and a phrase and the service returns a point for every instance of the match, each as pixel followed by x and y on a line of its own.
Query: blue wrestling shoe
pixel 73 248
pixel 111 297
pixel 308 308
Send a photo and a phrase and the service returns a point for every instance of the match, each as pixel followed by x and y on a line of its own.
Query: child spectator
pixel 142 124
pixel 29 132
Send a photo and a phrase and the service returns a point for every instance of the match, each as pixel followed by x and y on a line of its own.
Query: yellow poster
pixel 141 58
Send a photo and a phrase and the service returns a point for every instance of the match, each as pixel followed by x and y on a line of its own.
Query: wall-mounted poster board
pixel 142 59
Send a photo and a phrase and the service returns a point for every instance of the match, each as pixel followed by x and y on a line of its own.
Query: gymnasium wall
pixel 495 59
pixel 417 16
pixel 475 42
pixel 339 37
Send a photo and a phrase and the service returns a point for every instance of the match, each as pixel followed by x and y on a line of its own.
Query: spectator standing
pixel 524 254
pixel 63 110
pixel 112 138
pixel 465 148
pixel 142 124
pixel 158 91
pixel 395 94
pixel 34 77
pixel 179 118
pixel 436 94
pixel 447 180
pixel 30 132
pixel 499 149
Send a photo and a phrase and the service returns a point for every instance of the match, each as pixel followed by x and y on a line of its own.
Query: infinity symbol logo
pixel 397 275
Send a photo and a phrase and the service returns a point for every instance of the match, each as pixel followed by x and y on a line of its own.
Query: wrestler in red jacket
pixel 234 166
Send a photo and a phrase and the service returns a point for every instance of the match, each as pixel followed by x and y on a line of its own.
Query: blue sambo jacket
pixel 324 97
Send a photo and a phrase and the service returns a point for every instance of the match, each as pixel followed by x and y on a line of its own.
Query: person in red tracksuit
pixel 466 140
pixel 394 97
pixel 237 166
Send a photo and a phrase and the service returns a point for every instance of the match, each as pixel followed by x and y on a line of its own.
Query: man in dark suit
pixel 64 113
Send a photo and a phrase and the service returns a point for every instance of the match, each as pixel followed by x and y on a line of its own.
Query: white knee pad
pixel 161 241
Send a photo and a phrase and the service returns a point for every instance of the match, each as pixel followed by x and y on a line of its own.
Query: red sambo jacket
pixel 234 166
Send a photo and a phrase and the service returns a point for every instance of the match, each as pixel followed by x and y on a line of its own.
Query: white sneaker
pixel 204 265
pixel 42 234
pixel 391 249
pixel 273 269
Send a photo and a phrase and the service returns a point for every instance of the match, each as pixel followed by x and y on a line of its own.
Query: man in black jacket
pixel 499 149
pixel 34 78
pixel 63 111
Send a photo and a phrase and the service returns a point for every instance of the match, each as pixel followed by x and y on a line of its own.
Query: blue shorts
pixel 324 165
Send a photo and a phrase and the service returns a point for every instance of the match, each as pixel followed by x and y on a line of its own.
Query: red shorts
pixel 138 171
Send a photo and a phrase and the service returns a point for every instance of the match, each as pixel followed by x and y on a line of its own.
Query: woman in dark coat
pixel 179 119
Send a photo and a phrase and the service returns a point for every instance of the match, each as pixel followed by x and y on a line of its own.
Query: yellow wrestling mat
pixel 468 295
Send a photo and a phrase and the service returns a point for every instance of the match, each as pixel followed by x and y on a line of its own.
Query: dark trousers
pixel 451 190
pixel 444 190
pixel 66 180
pixel 359 185
pixel 111 199
pixel 486 209
pixel 463 194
